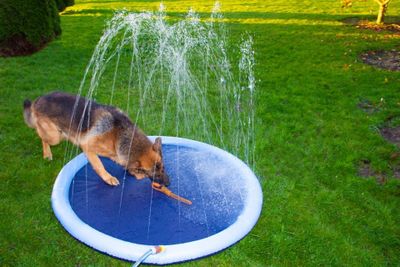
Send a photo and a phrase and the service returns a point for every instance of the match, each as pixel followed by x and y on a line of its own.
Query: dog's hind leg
pixel 46 151
pixel 50 135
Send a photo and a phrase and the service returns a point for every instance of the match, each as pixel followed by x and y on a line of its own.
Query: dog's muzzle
pixel 162 180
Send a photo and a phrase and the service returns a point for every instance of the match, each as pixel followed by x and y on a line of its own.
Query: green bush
pixel 26 26
pixel 63 4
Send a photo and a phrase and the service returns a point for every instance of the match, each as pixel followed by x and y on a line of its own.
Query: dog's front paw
pixel 111 180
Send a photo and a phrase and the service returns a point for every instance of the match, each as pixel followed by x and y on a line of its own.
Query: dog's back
pixel 70 113
pixel 73 113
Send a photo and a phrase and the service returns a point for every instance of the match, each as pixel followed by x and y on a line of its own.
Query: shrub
pixel 26 26
pixel 63 4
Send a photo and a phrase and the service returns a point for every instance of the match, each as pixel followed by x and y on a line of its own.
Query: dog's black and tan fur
pixel 98 130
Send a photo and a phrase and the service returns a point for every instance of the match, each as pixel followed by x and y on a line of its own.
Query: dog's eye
pixel 158 166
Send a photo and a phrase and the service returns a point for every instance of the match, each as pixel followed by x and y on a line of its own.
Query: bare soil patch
pixel 396 172
pixel 365 170
pixel 18 45
pixel 392 27
pixel 388 60
pixel 371 25
pixel 391 134
pixel 369 106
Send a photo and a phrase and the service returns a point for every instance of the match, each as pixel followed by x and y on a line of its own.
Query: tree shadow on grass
pixel 250 18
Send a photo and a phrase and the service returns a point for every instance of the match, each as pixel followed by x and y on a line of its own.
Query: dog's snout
pixel 162 179
pixel 165 180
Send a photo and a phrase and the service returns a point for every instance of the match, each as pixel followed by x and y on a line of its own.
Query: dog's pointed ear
pixel 157 144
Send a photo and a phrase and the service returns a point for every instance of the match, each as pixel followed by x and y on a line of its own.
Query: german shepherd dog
pixel 99 130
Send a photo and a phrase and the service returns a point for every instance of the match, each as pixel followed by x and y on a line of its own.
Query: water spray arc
pixel 177 78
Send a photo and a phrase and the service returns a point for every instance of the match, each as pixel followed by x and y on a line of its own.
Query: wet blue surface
pixel 134 212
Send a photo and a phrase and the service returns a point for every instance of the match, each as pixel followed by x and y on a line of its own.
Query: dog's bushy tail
pixel 28 113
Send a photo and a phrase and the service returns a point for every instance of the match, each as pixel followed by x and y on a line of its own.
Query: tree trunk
pixel 381 14
pixel 382 11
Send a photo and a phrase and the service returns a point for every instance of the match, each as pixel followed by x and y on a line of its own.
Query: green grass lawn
pixel 310 136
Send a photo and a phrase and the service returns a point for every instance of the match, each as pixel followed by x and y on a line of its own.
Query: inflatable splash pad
pixel 125 221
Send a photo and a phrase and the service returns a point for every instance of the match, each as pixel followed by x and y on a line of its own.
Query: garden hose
pixel 153 250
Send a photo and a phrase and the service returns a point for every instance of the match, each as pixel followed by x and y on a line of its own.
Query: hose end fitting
pixel 158 249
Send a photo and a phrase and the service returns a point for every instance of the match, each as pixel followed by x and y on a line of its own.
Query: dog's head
pixel 151 165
